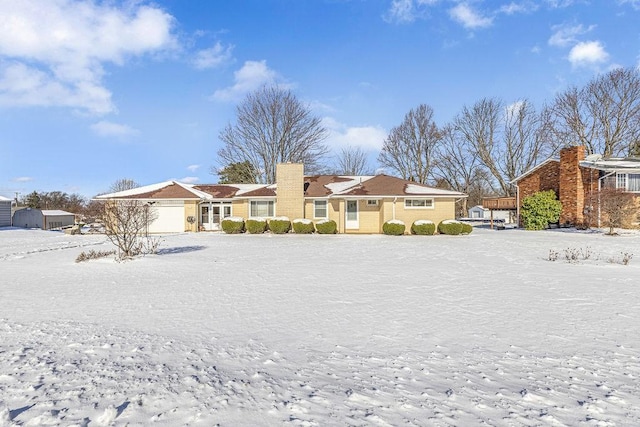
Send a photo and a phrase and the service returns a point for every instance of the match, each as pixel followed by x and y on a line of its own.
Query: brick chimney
pixel 571 185
pixel 290 190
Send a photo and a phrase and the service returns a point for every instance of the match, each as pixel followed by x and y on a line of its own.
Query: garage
pixel 169 216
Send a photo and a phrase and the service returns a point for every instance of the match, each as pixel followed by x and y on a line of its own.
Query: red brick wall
pixel 571 185
pixel 546 177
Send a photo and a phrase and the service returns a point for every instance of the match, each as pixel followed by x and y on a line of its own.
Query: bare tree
pixel 604 116
pixel 509 140
pixel 126 224
pixel 457 164
pixel 123 184
pixel 408 150
pixel 352 161
pixel 273 127
pixel 618 208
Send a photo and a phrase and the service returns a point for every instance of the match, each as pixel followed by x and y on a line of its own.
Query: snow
pixel 423 222
pixel 344 186
pixel 421 189
pixel 354 330
pixel 302 221
pixel 234 219
pixel 395 221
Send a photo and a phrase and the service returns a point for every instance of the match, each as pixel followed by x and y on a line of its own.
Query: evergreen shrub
pixel 540 209
pixel 393 227
pixel 233 225
pixel 326 226
pixel 450 227
pixel 423 227
pixel 256 225
pixel 303 226
pixel 466 228
pixel 280 225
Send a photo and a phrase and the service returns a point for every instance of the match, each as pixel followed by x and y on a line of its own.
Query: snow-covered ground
pixel 252 330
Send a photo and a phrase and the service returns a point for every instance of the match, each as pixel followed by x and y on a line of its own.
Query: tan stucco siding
pixel 240 208
pixel 191 210
pixel 442 209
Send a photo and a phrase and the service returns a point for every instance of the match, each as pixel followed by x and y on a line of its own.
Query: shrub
pixel 93 254
pixel 423 227
pixel 303 226
pixel 393 227
pixel 450 226
pixel 280 225
pixel 256 225
pixel 233 225
pixel 540 209
pixel 326 226
pixel 466 228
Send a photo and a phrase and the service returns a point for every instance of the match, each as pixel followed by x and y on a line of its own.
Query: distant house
pixel 42 218
pixel 576 178
pixel 358 204
pixel 5 212
pixel 478 212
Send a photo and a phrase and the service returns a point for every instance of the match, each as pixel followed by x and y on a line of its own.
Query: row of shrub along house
pixel 576 180
pixel 358 204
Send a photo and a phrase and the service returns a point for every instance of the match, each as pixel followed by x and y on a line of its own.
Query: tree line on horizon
pixel 479 152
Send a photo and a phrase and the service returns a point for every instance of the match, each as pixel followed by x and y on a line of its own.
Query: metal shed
pixel 5 212
pixel 44 219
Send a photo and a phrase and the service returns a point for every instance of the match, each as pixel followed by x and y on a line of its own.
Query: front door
pixel 351 215
pixel 212 214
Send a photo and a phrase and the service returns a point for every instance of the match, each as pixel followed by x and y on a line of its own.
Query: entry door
pixel 351 213
pixel 204 217
pixel 215 217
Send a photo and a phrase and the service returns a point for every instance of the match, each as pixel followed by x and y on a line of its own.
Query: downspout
pixel 393 210
pixel 600 188
pixel 517 205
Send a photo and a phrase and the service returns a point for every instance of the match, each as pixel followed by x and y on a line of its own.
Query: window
pixel 262 208
pixel 320 209
pixel 372 203
pixel 628 182
pixel 418 203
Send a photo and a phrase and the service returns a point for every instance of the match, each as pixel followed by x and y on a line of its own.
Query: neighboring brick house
pixel 576 179
pixel 358 204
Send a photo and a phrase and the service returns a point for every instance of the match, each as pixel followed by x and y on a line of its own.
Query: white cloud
pixel 367 137
pixel 250 77
pixel 565 35
pixel 587 53
pixel 405 11
pixel 53 52
pixel 189 179
pixel 108 129
pixel 522 7
pixel 469 18
pixel 22 179
pixel 633 3
pixel 213 57
pixel 193 168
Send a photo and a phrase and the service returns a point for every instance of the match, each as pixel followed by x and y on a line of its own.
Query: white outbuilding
pixel 5 212
pixel 45 219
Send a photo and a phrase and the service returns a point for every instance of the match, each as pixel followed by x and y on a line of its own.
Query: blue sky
pixel 91 91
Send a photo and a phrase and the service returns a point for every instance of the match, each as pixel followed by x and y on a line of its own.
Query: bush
pixel 450 227
pixel 466 228
pixel 326 226
pixel 540 209
pixel 256 225
pixel 393 228
pixel 423 227
pixel 280 225
pixel 93 254
pixel 303 226
pixel 233 225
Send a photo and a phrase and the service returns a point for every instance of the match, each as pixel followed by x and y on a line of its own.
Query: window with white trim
pixel 320 209
pixel 418 203
pixel 372 202
pixel 262 208
pixel 628 182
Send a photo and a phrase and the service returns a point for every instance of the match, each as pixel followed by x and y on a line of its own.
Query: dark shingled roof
pixel 315 185
pixel 219 191
pixel 171 191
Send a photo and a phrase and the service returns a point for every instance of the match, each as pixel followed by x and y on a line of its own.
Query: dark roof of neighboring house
pixel 219 191
pixel 171 191
pixel 315 186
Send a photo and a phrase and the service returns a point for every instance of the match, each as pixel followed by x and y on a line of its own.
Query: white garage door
pixel 169 217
